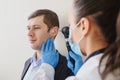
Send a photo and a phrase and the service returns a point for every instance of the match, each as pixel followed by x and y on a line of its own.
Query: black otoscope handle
pixel 65 31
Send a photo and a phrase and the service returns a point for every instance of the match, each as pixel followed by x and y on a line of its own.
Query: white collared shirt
pixel 34 67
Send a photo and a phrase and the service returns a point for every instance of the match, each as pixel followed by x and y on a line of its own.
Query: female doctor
pixel 93 30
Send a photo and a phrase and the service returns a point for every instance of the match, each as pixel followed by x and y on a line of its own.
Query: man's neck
pixel 38 55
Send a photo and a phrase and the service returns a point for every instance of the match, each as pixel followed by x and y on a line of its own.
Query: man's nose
pixel 31 32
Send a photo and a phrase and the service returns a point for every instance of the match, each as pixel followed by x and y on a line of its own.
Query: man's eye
pixel 28 27
pixel 36 27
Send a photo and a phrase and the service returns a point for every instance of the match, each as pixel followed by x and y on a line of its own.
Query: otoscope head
pixel 65 31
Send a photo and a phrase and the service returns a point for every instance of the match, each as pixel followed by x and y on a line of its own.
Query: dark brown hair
pixel 50 17
pixel 105 13
pixel 113 54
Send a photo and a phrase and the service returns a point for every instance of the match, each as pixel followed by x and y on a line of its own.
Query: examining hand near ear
pixel 49 53
pixel 78 61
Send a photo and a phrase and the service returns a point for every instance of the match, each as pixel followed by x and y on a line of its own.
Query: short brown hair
pixel 50 17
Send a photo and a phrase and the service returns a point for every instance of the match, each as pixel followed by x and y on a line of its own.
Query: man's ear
pixel 54 31
pixel 85 25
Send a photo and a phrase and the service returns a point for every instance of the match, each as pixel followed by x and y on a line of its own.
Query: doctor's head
pixel 42 24
pixel 93 22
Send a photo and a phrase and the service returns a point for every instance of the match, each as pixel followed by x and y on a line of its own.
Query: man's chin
pixel 35 48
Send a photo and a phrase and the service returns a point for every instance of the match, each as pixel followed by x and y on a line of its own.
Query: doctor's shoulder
pixel 112 75
pixel 89 70
pixel 97 71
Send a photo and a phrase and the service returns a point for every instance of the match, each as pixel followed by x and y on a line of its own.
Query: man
pixel 43 24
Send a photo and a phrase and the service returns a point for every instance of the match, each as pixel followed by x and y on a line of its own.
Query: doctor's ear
pixel 85 25
pixel 54 31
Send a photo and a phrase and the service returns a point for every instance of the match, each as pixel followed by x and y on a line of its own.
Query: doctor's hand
pixel 78 61
pixel 49 53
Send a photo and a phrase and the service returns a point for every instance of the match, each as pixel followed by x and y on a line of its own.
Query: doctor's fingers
pixel 70 65
pixel 74 56
pixel 47 44
pixel 68 57
pixel 43 47
pixel 52 46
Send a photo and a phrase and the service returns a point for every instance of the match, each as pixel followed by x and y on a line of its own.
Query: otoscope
pixel 65 31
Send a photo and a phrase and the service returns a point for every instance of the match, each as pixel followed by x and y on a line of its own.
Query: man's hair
pixel 50 17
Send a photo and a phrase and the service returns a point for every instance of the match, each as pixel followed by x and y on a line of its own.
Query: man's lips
pixel 32 41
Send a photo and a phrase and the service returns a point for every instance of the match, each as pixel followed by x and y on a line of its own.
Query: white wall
pixel 14 45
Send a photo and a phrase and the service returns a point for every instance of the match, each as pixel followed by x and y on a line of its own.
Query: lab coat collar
pixel 100 51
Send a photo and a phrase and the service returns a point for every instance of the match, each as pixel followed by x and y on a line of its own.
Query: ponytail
pixel 113 54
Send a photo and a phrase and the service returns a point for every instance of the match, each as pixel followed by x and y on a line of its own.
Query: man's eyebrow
pixel 37 25
pixel 27 26
pixel 33 25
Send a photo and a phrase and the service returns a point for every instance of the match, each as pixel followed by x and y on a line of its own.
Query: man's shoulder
pixel 26 67
pixel 62 58
pixel 28 61
pixel 62 71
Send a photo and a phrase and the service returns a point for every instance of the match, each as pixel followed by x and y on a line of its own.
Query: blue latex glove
pixel 49 53
pixel 78 61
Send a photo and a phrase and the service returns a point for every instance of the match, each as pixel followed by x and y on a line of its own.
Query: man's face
pixel 37 32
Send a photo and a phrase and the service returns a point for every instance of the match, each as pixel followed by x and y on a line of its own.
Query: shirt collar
pixel 34 61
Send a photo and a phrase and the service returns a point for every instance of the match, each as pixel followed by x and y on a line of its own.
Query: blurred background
pixel 14 44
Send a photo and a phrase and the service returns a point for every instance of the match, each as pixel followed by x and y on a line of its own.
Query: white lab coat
pixel 89 71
